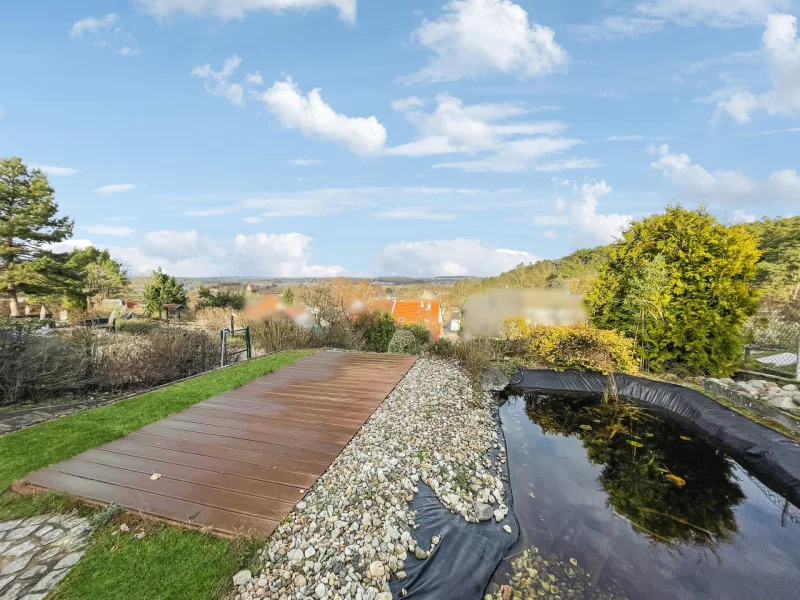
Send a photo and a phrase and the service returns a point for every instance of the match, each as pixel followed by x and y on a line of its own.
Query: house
pixel 406 312
pixel 250 289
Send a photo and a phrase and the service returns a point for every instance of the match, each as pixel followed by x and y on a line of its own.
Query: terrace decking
pixel 238 462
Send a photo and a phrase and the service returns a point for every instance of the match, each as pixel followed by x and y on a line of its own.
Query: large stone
pixel 49 581
pixel 9 525
pixel 784 402
pixel 494 380
pixel 20 549
pixel 483 511
pixel 790 387
pixel 243 577
pixel 69 560
pixel 21 532
pixel 16 566
pixel 377 570
pixel 295 555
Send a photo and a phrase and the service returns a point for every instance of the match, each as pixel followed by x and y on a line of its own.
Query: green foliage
pixel 27 222
pixel 161 290
pixel 579 347
pixel 376 330
pixel 403 342
pixel 575 272
pixel 288 296
pixel 137 326
pixel 421 333
pixel 779 267
pixel 222 299
pixel 97 277
pixel 694 324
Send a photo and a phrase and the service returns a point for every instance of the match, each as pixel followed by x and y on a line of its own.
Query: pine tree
pixel 28 223
pixel 162 290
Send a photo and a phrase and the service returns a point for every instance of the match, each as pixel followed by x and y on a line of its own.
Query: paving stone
pixel 9 525
pixel 37 520
pixel 69 560
pixel 42 530
pixel 53 536
pixel 20 532
pixel 20 549
pixel 13 592
pixel 50 580
pixel 16 565
pixel 4 581
pixel 49 553
pixel 36 571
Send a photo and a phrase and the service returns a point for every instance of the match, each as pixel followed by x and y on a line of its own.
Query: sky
pixel 296 138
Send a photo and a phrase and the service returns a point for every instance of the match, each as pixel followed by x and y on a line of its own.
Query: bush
pixel 579 347
pixel 277 333
pixel 375 330
pixel 420 333
pixel 137 326
pixel 214 319
pixel 36 367
pixel 403 342
pixel 681 285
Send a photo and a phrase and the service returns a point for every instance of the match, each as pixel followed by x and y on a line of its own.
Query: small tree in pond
pixel 28 222
pixel 682 284
pixel 162 290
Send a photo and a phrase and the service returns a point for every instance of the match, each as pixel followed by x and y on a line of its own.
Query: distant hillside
pixel 779 269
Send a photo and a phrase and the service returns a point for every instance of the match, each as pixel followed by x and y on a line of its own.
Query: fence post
pixel 222 358
pixel 247 342
pixel 233 327
pixel 797 364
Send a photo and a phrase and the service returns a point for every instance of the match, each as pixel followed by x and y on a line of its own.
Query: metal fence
pixel 774 338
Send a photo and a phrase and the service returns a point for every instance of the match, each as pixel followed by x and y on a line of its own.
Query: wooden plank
pixel 205 475
pixel 173 509
pixel 239 461
pixel 189 450
pixel 229 500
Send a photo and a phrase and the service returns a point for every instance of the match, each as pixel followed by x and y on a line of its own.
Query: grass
pixel 30 449
pixel 169 562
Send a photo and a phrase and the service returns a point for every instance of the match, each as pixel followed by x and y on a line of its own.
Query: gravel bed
pixel 354 530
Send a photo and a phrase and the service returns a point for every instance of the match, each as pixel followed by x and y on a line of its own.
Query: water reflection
pixel 616 501
pixel 675 489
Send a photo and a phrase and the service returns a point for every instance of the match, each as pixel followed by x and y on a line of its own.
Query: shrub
pixel 269 334
pixel 403 342
pixel 572 347
pixel 136 326
pixel 214 319
pixel 420 333
pixel 681 285
pixel 375 329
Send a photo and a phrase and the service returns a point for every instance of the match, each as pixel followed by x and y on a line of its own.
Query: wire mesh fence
pixel 773 335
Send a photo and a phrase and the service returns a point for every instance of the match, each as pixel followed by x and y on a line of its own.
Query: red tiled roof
pixel 426 312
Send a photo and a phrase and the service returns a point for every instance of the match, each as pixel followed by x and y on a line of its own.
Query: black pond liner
pixel 769 455
pixel 462 564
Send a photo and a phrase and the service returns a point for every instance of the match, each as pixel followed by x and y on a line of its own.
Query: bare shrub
pixel 214 319
pixel 269 334
pixel 35 367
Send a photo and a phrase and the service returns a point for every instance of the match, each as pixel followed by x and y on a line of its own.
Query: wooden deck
pixel 238 462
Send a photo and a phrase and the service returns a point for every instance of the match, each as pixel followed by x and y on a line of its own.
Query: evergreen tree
pixel 683 284
pixel 28 222
pixel 97 277
pixel 162 290
pixel 288 296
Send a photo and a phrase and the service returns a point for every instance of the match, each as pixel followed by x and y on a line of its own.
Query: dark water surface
pixel 616 501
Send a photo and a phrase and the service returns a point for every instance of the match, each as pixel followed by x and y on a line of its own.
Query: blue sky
pixel 326 137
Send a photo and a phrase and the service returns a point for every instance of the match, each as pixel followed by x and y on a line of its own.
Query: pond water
pixel 617 501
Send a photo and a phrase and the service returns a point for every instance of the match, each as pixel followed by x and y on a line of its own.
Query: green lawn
pixel 169 562
pixel 46 444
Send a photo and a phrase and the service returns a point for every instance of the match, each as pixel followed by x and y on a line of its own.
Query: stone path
pixel 37 553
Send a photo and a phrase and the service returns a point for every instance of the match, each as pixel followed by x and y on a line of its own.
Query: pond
pixel 616 501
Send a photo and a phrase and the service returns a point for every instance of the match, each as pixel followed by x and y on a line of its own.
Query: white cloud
pixel 740 216
pixel 507 145
pixel 283 254
pixel 449 257
pixel 304 162
pixel 106 32
pixel 69 245
pixel 403 104
pixel 724 14
pixel 109 230
pixel 419 213
pixel 653 15
pixel 478 37
pixel 93 25
pixel 254 79
pixel 311 115
pixel 781 48
pixel 777 131
pixel 582 216
pixel 117 188
pixel 216 82
pixel 550 234
pixel 236 9
pixel 55 171
pixel 731 187
pixel 568 165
